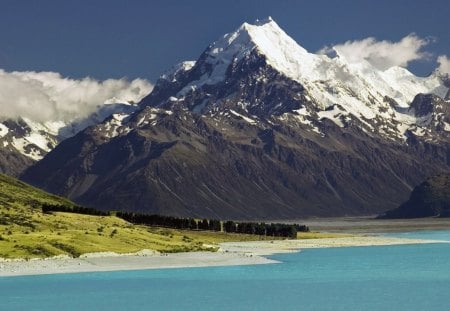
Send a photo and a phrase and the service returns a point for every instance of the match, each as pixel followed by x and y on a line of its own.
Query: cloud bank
pixel 47 96
pixel 382 54
pixel 444 64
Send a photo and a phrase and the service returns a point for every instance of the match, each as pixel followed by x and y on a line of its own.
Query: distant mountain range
pixel 24 141
pixel 259 128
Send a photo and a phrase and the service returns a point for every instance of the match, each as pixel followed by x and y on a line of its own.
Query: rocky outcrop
pixel 429 199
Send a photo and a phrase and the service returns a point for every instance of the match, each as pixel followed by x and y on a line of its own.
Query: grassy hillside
pixel 26 232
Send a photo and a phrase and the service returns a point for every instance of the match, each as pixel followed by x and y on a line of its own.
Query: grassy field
pixel 26 232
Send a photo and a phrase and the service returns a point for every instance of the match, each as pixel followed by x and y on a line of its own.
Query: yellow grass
pixel 44 235
pixel 26 232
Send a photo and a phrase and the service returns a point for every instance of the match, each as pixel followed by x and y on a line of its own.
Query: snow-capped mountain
pixel 328 88
pixel 258 127
pixel 24 141
pixel 40 109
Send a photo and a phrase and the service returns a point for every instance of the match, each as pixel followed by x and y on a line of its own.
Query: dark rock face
pixel 431 110
pixel 433 114
pixel 429 199
pixel 190 165
pixel 13 163
pixel 423 104
pixel 250 80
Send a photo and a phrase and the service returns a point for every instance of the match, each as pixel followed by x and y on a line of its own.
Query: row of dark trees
pixel 171 221
pixel 260 228
pixel 47 208
pixel 273 229
pixel 257 228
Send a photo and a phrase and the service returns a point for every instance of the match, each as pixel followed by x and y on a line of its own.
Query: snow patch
pixel 332 115
pixel 419 131
pixel 3 130
pixel 115 126
pixel 302 111
pixel 22 144
pixel 446 127
pixel 38 140
pixel 171 74
pixel 247 119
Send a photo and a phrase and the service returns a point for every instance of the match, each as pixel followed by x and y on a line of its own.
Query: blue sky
pixel 113 39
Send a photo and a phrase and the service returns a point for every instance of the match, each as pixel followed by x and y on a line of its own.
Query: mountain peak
pixel 260 22
pixel 265 36
pixel 265 23
pixel 255 53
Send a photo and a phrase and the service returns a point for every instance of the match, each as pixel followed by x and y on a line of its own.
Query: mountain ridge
pixel 231 136
pixel 386 113
pixel 25 141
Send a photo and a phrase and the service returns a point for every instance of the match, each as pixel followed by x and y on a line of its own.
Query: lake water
pixel 407 277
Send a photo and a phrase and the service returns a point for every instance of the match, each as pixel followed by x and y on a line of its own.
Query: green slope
pixel 26 232
pixel 13 192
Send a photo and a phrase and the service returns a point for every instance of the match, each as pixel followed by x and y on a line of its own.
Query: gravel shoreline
pixel 229 254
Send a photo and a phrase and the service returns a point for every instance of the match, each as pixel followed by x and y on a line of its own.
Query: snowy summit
pixel 337 89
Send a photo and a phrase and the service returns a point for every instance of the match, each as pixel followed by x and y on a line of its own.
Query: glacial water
pixel 408 277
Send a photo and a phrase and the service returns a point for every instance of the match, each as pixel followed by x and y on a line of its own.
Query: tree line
pixel 261 228
pixel 256 228
pixel 171 221
pixel 47 208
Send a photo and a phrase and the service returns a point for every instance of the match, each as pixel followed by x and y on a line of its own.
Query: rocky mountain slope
pixel 24 141
pixel 430 198
pixel 258 128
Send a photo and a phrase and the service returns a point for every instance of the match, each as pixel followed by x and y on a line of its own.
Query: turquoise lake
pixel 407 277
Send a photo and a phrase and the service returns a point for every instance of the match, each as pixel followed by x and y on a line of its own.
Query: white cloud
pixel 382 54
pixel 45 96
pixel 444 64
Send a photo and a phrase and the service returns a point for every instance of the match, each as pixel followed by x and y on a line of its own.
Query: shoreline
pixel 229 254
pixel 371 225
